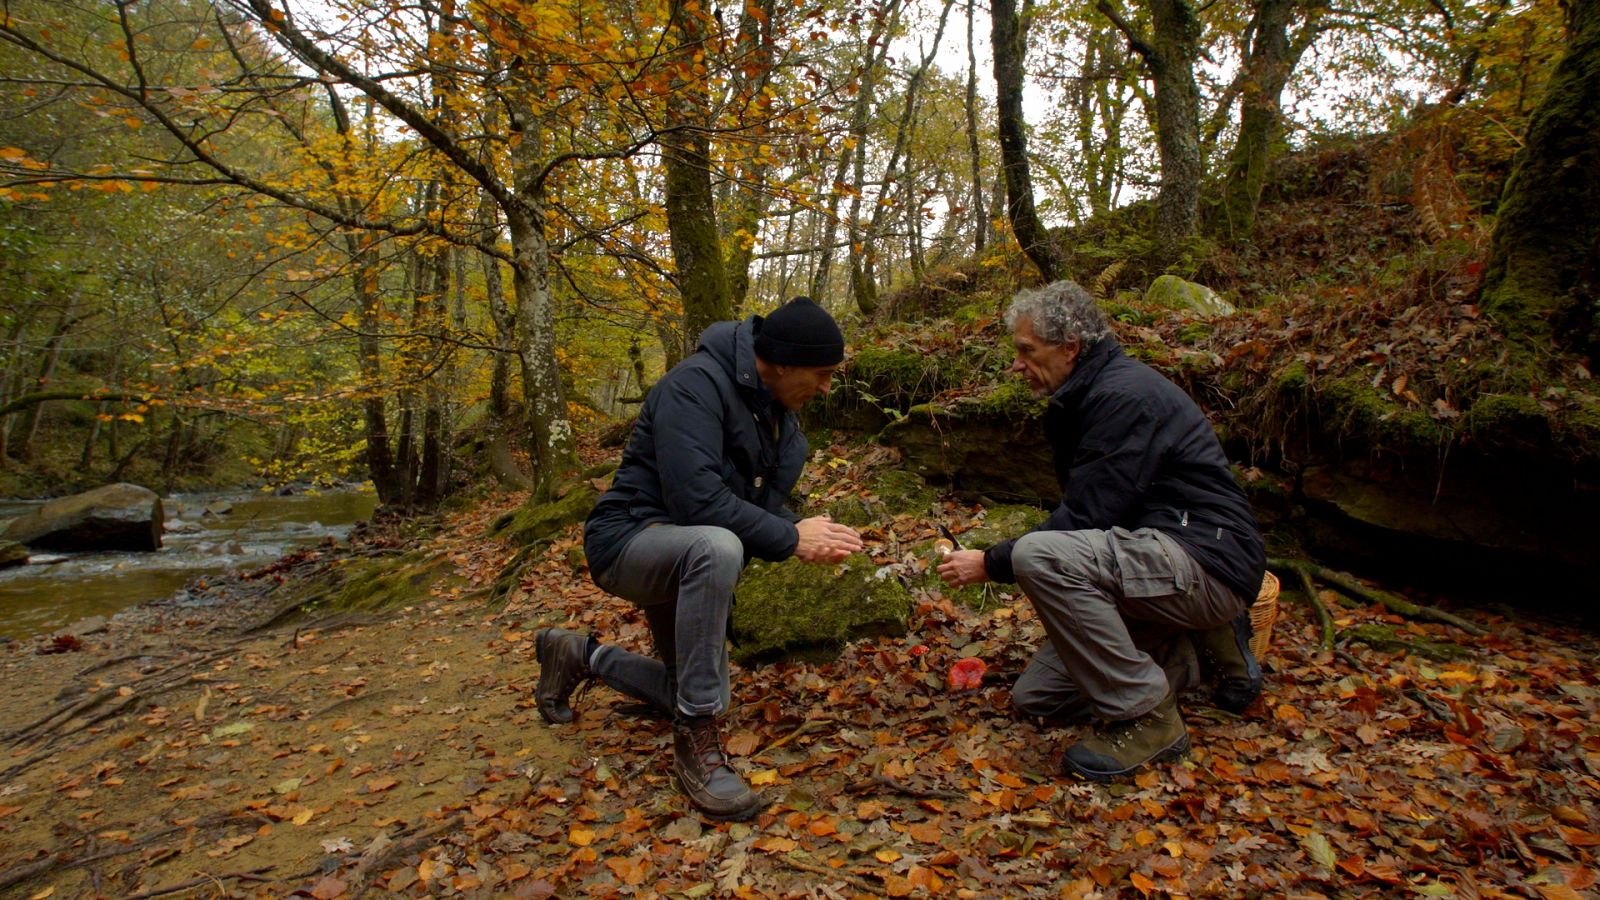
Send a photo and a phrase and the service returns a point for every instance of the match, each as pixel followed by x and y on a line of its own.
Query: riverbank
pixel 217 749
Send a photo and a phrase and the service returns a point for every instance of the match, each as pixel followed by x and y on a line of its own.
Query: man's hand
pixel 822 540
pixel 963 567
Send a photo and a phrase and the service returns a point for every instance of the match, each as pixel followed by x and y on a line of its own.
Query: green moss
pixel 789 605
pixel 1011 399
pixel 1358 408
pixel 1293 377
pixel 1120 310
pixel 370 584
pixel 539 522
pixel 890 492
pixel 1195 332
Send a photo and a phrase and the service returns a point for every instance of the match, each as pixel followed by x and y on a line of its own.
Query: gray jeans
pixel 682 576
pixel 1116 606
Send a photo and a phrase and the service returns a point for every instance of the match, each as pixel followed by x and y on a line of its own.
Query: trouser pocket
pixel 1151 564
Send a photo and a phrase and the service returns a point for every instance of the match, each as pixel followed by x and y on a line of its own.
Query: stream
pixel 206 534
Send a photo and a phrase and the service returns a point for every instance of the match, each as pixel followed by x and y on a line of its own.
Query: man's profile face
pixel 794 386
pixel 1044 366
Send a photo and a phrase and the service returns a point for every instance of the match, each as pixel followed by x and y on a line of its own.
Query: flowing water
pixel 205 534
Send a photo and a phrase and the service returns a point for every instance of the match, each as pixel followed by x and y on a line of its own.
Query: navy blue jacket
pixel 1133 450
pixel 710 447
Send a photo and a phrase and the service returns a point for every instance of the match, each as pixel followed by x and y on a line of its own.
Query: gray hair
pixel 1060 312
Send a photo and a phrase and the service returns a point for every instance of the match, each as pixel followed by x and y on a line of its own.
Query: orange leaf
pixel 328 888
pixel 1144 884
pixel 377 785
pixel 581 837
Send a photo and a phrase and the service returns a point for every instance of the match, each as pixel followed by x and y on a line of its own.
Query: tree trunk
pixel 29 427
pixel 1010 45
pixel 1269 59
pixel 1539 283
pixel 980 221
pixel 691 208
pixel 554 448
pixel 753 70
pixel 1177 35
pixel 885 18
pixel 1169 57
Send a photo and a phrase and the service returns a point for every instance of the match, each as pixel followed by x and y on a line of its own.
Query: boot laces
pixel 705 742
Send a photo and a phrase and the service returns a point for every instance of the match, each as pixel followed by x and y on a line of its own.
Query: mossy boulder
pixel 986 446
pixel 537 522
pixel 792 605
pixel 1172 292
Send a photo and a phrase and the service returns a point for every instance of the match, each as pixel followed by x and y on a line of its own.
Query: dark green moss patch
pixel 789 605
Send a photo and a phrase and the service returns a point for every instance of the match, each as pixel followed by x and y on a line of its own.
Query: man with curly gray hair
pixel 1152 545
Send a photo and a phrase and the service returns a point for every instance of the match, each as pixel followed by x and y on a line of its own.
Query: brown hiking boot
pixel 1225 654
pixel 1116 749
pixel 563 665
pixel 701 770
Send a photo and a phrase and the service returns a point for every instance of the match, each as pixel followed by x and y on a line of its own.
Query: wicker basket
pixel 1263 613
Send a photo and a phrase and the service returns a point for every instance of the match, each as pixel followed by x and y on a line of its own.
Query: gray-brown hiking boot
pixel 1120 748
pixel 563 665
pixel 701 770
pixel 1225 655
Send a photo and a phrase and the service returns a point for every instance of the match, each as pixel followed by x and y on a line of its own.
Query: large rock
pixel 12 554
pixel 1173 292
pixel 787 605
pixel 114 517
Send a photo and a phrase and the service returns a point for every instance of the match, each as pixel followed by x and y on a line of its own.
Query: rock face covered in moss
pixel 782 606
pixel 989 446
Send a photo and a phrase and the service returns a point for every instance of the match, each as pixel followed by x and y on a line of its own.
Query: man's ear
pixel 1072 346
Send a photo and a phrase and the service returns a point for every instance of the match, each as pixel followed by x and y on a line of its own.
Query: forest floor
pixel 178 753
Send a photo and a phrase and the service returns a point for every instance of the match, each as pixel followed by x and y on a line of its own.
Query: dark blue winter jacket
pixel 1133 450
pixel 710 447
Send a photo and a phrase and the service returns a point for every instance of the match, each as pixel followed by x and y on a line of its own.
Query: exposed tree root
pixel 63 861
pixel 1309 573
pixel 1348 585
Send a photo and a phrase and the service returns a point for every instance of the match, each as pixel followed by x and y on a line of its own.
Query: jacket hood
pixel 733 346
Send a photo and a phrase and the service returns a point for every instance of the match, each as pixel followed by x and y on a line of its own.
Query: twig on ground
pixel 855 881
pixel 251 875
pixel 806 727
pixel 884 782
pixel 362 875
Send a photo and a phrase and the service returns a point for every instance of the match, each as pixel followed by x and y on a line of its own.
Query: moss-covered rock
pixel 541 521
pixel 790 605
pixel 1172 292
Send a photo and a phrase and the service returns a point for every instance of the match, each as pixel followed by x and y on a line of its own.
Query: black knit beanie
pixel 800 333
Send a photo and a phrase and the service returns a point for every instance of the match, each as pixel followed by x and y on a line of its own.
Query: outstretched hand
pixel 822 540
pixel 962 567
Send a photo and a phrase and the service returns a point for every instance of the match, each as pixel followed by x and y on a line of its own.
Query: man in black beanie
pixel 700 491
